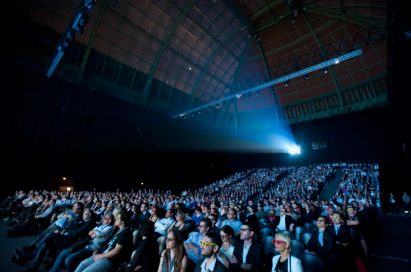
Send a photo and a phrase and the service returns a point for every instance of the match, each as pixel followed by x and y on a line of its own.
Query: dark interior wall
pixel 52 128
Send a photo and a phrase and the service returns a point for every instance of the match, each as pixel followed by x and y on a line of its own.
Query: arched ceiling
pixel 180 54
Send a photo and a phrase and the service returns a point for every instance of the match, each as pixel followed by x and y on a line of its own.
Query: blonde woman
pixel 173 258
pixel 285 261
pixel 179 222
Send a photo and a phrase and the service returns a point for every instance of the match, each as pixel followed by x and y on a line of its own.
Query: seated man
pixel 283 222
pixel 118 250
pixel 343 245
pixel 62 240
pixel 72 256
pixel 210 246
pixel 70 218
pixel 192 244
pixel 231 221
pixel 162 225
pixel 322 243
pixel 247 254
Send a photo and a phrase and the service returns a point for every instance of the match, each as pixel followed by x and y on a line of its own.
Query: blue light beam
pixel 285 78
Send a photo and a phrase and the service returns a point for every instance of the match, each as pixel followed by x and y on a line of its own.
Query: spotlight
pixel 294 150
pixel 325 70
pixel 286 83
pixel 305 76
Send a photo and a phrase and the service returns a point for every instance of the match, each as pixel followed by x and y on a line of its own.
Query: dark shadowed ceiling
pixel 173 56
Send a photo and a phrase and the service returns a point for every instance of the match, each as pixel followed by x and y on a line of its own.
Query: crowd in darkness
pixel 219 227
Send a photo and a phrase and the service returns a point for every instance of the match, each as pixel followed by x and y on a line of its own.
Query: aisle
pixel 6 249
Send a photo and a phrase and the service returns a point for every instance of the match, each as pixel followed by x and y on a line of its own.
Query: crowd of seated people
pixel 220 227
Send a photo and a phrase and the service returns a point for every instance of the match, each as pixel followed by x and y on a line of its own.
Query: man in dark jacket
pixel 322 242
pixel 283 222
pixel 247 254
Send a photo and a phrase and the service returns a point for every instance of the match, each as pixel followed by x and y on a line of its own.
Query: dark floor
pixel 391 251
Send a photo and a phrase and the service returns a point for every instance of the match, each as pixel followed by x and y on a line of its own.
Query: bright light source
pixel 294 150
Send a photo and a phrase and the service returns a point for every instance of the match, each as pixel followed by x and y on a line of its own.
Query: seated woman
pixel 285 261
pixel 117 251
pixel 226 251
pixel 174 257
pixel 179 223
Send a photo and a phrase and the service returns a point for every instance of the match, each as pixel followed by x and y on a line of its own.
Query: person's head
pixel 246 232
pixel 322 222
pixel 336 217
pixel 173 239
pixel 330 210
pixel 110 206
pixel 232 214
pixel 282 211
pixel 297 209
pixel 226 233
pixel 205 225
pixel 204 209
pixel 108 219
pixel 169 213
pixel 121 219
pixel 351 211
pixel 213 218
pixel 153 209
pixel 197 210
pixel 180 216
pixel 117 210
pixel 210 244
pixel 143 207
pixel 78 207
pixel 87 214
pixel 282 242
pixel 214 210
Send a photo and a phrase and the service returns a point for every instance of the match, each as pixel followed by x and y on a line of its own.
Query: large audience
pixel 255 220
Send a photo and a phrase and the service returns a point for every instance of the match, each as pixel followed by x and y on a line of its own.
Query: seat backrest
pixel 267 242
pixel 297 248
pixel 266 231
pixel 161 243
pixel 298 231
pixel 288 232
pixel 305 237
pixel 311 263
pixel 309 227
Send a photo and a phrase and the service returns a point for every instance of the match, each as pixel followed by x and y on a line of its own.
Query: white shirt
pixel 246 248
pixel 281 226
pixel 211 267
